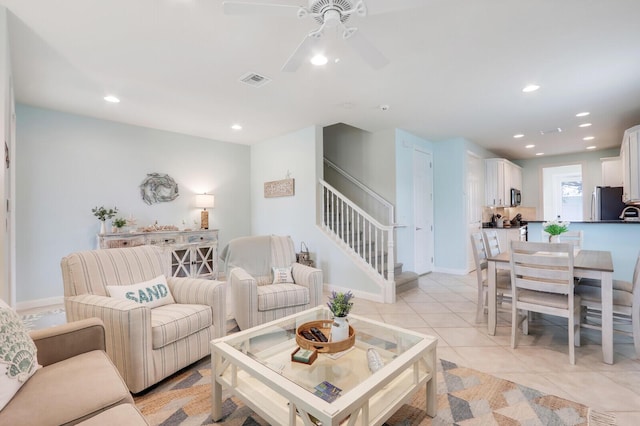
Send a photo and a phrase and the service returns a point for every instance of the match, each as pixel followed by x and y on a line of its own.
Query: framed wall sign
pixel 279 188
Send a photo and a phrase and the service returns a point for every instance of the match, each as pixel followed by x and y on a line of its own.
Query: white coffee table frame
pixel 281 401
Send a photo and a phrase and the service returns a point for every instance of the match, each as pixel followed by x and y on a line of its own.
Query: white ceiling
pixel 456 69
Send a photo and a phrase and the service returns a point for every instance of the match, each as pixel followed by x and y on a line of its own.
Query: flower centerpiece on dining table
pixel 554 228
pixel 340 304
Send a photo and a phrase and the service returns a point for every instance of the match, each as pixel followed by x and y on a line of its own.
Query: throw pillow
pixel 18 359
pixel 281 275
pixel 152 293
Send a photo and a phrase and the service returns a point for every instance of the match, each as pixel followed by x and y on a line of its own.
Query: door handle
pixel 418 229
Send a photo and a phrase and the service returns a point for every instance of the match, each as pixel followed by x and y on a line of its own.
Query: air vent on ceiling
pixel 254 79
pixel 551 131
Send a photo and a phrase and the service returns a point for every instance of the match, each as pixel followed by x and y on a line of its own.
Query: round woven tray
pixel 324 347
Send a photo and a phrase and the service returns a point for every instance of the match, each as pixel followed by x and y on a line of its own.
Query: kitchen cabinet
pixel 611 171
pixel 188 253
pixel 630 158
pixel 500 176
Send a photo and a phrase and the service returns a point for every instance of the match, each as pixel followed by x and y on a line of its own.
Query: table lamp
pixel 204 201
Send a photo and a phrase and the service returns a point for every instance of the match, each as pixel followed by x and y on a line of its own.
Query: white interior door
pixel 474 197
pixel 423 211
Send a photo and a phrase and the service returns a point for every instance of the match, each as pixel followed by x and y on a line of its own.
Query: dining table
pixel 596 264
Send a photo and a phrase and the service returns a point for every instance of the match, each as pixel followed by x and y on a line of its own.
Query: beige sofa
pixel 78 383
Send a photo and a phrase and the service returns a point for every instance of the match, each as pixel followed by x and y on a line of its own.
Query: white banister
pixel 364 236
pixel 371 193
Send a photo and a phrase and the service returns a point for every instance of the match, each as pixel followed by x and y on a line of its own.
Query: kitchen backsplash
pixel 528 213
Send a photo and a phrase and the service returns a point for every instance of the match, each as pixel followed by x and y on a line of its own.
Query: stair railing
pixel 386 205
pixel 365 237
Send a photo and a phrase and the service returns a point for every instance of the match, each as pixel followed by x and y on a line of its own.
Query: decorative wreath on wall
pixel 158 188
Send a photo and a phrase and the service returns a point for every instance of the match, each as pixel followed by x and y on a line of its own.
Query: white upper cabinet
pixel 501 175
pixel 611 171
pixel 630 157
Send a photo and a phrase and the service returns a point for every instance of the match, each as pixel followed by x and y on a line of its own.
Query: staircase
pixel 370 243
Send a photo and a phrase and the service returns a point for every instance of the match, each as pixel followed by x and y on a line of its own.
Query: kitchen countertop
pixel 591 221
pixel 488 226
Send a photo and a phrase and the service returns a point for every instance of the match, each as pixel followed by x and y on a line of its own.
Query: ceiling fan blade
pixel 376 7
pixel 365 49
pixel 263 9
pixel 302 52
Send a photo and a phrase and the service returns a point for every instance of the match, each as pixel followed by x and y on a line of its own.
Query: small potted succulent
pixel 119 223
pixel 554 228
pixel 103 214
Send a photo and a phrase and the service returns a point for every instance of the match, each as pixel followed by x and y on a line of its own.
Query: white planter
pixel 339 329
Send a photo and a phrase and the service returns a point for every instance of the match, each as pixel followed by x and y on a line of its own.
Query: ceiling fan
pixel 330 14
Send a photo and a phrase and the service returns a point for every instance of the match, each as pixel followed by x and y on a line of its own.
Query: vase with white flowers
pixel 340 305
pixel 555 228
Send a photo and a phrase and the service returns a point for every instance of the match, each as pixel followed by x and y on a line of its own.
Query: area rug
pixel 466 397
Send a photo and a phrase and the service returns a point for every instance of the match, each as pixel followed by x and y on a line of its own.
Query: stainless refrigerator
pixel 606 203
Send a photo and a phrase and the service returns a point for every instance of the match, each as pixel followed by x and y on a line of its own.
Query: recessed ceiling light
pixel 582 114
pixel 585 125
pixel 530 88
pixel 539 153
pixel 319 60
pixel 591 147
pixel 112 99
pixel 236 127
pixel 518 136
pixel 588 138
pixel 530 146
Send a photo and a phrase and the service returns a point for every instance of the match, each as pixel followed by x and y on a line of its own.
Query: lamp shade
pixel 204 201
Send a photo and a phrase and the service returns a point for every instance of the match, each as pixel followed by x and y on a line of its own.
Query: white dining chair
pixel 492 242
pixel 542 281
pixel 626 305
pixel 503 282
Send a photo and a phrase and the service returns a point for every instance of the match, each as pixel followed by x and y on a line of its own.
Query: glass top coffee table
pixel 255 365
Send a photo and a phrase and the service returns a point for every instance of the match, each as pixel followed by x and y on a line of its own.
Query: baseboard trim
pixel 374 297
pixel 39 303
pixel 451 271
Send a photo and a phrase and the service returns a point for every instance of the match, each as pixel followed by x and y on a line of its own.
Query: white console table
pixel 189 253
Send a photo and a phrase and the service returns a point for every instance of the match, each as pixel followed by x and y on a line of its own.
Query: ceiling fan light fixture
pixel 319 60
pixel 530 88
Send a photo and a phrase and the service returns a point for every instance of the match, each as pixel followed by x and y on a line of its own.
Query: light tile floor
pixel 444 305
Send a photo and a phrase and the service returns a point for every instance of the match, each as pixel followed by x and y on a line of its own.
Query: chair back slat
pixel 492 243
pixel 542 267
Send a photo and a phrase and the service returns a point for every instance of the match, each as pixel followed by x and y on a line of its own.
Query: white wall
pixel 300 153
pixel 6 129
pixel 368 157
pixel 68 164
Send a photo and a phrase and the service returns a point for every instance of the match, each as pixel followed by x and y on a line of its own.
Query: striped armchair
pixel 146 345
pixel 257 296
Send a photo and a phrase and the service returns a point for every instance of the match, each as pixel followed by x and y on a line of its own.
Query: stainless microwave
pixel 516 197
